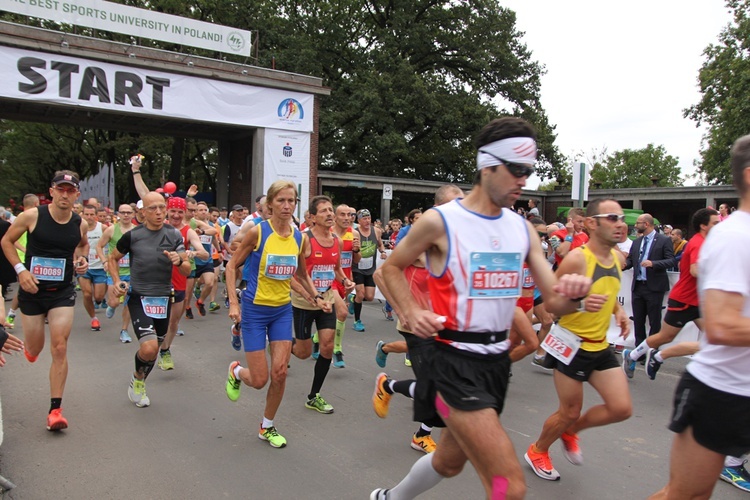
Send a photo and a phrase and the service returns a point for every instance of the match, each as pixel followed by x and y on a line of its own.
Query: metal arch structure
pixel 241 148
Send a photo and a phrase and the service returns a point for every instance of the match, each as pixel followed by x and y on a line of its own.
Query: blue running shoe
pixel 736 476
pixel 110 313
pixel 350 301
pixel 358 326
pixel 236 338
pixel 380 356
pixel 628 365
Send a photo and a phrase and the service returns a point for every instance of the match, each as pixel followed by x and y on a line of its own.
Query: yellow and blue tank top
pixel 270 266
pixel 592 327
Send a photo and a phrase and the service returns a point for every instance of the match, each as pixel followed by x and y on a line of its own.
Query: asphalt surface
pixel 192 442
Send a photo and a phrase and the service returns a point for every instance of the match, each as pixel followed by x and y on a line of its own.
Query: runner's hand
pixel 234 312
pixel 81 265
pixel 424 323
pixel 174 257
pixel 622 319
pixel 12 343
pixel 573 286
pixel 28 282
pixel 595 302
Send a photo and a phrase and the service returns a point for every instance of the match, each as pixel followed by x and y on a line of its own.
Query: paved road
pixel 192 442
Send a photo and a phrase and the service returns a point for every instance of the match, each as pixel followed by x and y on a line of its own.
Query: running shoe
pixel 571 450
pixel 379 494
pixel 541 464
pixel 56 421
pixel 236 339
pixel 197 292
pixel 350 303
pixel 272 436
pixel 137 393
pixel 736 476
pixel 110 313
pixel 233 383
pixel 165 361
pixel 213 307
pixel 29 357
pixel 226 303
pixel 315 350
pixel 180 333
pixel 538 361
pixel 652 364
pixel 628 365
pixel 201 307
pixel 95 325
pixel 338 360
pixel 125 337
pixel 388 314
pixel 407 359
pixel 189 312
pixel 380 398
pixel 425 444
pixel 380 355
pixel 11 320
pixel 319 404
pixel 358 326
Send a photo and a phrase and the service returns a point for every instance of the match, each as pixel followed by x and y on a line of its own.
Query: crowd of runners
pixel 466 280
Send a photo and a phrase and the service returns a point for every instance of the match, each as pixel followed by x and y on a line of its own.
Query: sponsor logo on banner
pixel 287 150
pixel 290 110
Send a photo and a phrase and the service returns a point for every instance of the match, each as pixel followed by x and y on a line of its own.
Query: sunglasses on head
pixel 610 217
pixel 516 169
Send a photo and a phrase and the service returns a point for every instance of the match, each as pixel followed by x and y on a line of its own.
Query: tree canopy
pixel 724 107
pixel 631 168
pixel 412 81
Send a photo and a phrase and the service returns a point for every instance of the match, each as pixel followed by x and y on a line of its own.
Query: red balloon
pixel 159 190
pixel 170 187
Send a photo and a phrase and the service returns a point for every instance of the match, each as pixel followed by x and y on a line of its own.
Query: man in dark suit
pixel 650 256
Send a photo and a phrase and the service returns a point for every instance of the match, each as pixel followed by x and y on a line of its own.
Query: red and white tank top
pixel 483 276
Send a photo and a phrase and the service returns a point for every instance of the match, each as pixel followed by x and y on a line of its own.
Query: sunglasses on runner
pixel 610 217
pixel 516 169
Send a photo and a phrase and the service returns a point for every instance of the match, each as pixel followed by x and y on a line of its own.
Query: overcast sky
pixel 619 75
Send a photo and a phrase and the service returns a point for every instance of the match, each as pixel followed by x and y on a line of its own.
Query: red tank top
pixel 179 282
pixel 321 264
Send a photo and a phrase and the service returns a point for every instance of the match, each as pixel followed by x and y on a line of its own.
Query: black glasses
pixel 610 217
pixel 541 234
pixel 516 169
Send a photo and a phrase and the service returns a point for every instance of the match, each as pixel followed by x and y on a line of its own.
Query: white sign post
pixel 141 23
pixel 387 191
pixel 580 188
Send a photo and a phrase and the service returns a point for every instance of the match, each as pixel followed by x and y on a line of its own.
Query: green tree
pixel 631 168
pixel 724 107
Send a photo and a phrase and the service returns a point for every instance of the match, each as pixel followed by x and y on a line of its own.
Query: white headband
pixel 513 150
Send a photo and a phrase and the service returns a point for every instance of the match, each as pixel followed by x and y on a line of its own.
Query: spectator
pixel 723 211
pixel 533 210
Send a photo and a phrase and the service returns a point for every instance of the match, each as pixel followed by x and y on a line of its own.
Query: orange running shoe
pixel 55 420
pixel 95 325
pixel 31 358
pixel 541 464
pixel 571 450
pixel 380 398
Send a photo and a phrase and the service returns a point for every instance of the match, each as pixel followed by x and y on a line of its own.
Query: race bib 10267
pixel 495 274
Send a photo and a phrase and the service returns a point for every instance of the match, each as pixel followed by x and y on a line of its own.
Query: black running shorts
pixel 680 314
pixel 304 319
pixel 35 304
pixel 585 363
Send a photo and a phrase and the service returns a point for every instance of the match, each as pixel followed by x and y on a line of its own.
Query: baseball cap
pixel 363 213
pixel 66 179
pixel 139 205
pixel 236 207
pixel 222 209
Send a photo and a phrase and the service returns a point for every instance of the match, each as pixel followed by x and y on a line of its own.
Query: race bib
pixel 562 344
pixel 43 268
pixel 125 260
pixel 494 274
pixel 366 262
pixel 206 239
pixel 280 267
pixel 346 260
pixel 155 307
pixel 323 279
pixel 528 279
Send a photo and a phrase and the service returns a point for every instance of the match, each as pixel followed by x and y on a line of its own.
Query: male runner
pixel 682 304
pixel 577 346
pixel 476 247
pixel 94 282
pixel 154 249
pixel 109 239
pixel 322 250
pixel 712 400
pixel 370 243
pixel 56 244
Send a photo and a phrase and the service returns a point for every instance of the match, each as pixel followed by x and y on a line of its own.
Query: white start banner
pixel 287 156
pixel 141 23
pixel 74 81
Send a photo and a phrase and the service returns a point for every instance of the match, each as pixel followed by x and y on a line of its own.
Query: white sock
pixel 426 428
pixel 411 389
pixel 236 371
pixel 658 357
pixel 11 312
pixel 639 351
pixel 420 478
pixel 732 461
pixel 390 385
pixel 267 423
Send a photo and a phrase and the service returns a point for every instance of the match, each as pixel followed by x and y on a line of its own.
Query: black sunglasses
pixel 516 169
pixel 541 234
pixel 610 217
